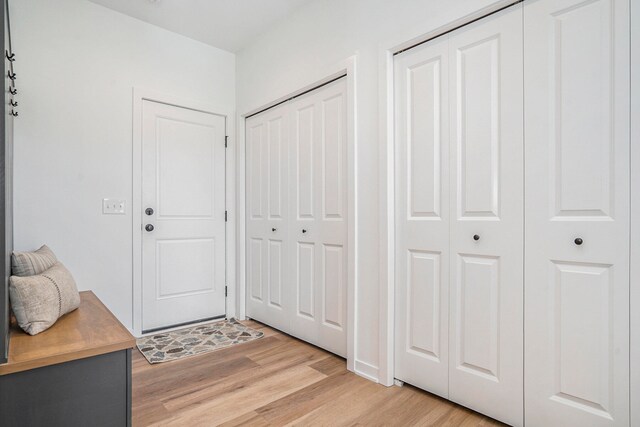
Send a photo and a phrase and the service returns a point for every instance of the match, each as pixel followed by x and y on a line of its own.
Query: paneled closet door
pixel 422 217
pixel 318 216
pixel 486 163
pixel 577 202
pixel 268 279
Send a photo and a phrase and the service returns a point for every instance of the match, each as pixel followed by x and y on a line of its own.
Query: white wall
pixel 77 64
pixel 293 54
pixel 635 212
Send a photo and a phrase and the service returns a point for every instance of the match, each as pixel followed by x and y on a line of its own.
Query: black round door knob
pixel 476 237
pixel 304 230
pixel 149 211
pixel 578 241
pixel 274 229
pixel 149 227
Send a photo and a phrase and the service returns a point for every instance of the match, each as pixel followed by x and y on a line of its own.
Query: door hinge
pixel 225 216
pixel 226 141
pixel 226 291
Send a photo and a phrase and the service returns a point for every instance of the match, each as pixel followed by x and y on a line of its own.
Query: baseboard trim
pixel 367 371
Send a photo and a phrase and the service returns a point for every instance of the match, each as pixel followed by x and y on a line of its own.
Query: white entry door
pixel 183 217
pixel 297 217
pixel 577 198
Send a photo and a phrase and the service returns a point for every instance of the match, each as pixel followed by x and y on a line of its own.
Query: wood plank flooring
pixel 276 381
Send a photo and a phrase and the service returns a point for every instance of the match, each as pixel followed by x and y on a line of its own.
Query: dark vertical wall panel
pixel 6 228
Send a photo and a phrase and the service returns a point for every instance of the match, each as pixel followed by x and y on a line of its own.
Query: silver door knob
pixel 149 228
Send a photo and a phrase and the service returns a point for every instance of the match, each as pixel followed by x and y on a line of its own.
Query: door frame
pixel 139 96
pixel 346 68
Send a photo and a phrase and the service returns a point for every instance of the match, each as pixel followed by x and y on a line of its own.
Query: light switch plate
pixel 113 207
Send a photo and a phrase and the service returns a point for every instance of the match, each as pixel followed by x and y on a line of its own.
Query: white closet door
pixel 577 187
pixel 268 279
pixel 422 217
pixel 318 216
pixel 486 162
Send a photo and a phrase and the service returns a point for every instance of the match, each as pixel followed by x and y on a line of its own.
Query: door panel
pixel 422 216
pixel 305 160
pixel 486 337
pixel 268 297
pixel 333 284
pixel 194 255
pixel 582 108
pixel 478 101
pixel 183 181
pixel 306 279
pixel 319 225
pixel 255 268
pixel 577 186
pixel 302 184
pixel 275 256
pixel 478 291
pixel 423 315
pixel 333 157
pixel 582 318
pixel 186 159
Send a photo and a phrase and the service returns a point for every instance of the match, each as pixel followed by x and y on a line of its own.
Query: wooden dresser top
pixel 90 330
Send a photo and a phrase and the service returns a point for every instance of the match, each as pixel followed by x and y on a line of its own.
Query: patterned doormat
pixel 195 340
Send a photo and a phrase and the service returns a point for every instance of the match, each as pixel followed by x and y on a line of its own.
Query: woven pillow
pixel 32 263
pixel 38 301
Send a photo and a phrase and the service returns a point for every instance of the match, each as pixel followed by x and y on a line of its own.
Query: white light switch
pixel 113 207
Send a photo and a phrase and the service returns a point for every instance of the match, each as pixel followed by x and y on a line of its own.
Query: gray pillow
pixel 38 301
pixel 32 263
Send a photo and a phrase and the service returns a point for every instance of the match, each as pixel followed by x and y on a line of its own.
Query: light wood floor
pixel 275 381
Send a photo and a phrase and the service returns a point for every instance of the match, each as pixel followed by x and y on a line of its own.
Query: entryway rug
pixel 195 340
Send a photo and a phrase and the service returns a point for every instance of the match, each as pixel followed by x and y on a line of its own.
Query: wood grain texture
pixel 276 381
pixel 90 330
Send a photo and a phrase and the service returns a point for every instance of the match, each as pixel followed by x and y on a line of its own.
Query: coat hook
pixel 13 91
pixel 11 75
pixel 11 57
pixel 14 113
pixel 13 103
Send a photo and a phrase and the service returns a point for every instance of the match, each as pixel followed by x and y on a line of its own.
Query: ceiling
pixel 226 24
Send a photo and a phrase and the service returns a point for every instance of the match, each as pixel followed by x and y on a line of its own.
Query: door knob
pixel 149 228
pixel 149 211
pixel 578 241
pixel 476 237
pixel 274 229
pixel 304 230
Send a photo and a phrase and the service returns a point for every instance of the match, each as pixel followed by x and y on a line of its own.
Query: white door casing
pixel 183 181
pixel 297 216
pixel 577 187
pixel 486 187
pixel 422 217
